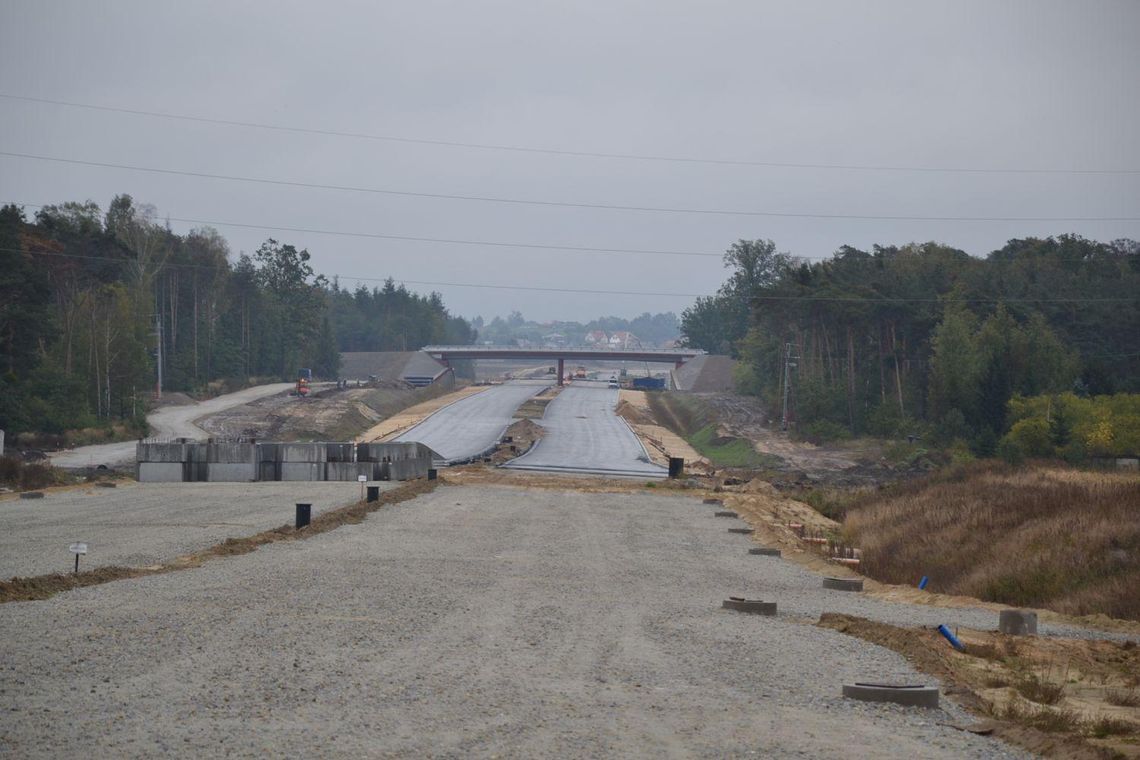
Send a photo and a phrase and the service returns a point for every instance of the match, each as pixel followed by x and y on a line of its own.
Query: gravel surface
pixel 583 434
pixel 472 621
pixel 139 524
pixel 472 425
pixel 165 422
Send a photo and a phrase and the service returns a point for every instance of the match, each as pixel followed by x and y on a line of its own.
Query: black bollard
pixel 304 513
pixel 676 467
pixel 373 493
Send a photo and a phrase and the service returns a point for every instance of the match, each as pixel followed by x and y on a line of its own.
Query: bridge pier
pixel 561 371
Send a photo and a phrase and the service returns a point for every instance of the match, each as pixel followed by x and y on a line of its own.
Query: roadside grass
pixel 697 422
pixel 1041 536
pixel 28 476
pixel 724 451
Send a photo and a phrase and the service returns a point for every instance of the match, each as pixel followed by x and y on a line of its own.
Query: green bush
pixel 1030 436
pixel 824 431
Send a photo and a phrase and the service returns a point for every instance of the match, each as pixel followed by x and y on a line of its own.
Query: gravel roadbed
pixel 140 524
pixel 471 621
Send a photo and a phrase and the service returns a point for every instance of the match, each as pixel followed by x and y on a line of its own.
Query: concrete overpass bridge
pixel 674 356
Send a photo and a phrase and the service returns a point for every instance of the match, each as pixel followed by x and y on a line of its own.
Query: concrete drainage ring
pixel 765 551
pixel 740 530
pixel 725 513
pixel 843 584
pixel 909 695
pixel 753 606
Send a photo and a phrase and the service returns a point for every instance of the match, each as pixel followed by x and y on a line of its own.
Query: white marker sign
pixel 78 548
pixel 361 478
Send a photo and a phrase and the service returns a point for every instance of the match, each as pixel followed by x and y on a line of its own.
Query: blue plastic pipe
pixel 951 638
pixel 922 583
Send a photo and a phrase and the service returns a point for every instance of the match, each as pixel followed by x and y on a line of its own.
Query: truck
pixel 648 383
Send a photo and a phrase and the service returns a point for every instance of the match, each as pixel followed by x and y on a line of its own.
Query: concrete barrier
pixel 340 452
pixel 164 452
pixel 303 452
pixel 161 472
pixel 911 696
pixel 1018 622
pixel 764 551
pixel 843 584
pixel 350 471
pixel 407 469
pixel 231 472
pixel 226 452
pixel 301 471
pixel 725 513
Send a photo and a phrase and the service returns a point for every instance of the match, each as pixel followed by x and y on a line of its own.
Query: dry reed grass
pixel 1043 536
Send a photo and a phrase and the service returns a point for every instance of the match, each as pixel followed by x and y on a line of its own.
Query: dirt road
pixel 165 422
pixel 473 621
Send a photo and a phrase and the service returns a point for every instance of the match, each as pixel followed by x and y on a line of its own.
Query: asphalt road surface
pixel 140 524
pixel 474 424
pixel 165 422
pixel 583 434
pixel 471 622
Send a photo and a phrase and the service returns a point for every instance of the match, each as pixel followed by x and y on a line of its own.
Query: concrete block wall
pixel 231 461
pixel 231 472
pixel 351 471
pixel 161 472
pixel 294 471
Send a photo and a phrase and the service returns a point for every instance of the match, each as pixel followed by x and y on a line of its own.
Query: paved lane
pixel 583 434
pixel 472 425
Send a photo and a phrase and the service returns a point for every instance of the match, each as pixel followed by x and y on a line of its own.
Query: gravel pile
pixel 140 524
pixel 472 621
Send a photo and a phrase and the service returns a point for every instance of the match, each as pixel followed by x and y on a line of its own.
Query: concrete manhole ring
pixel 740 530
pixel 901 694
pixel 764 551
pixel 752 606
pixel 725 513
pixel 843 584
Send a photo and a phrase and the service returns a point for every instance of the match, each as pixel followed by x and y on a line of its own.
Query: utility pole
pixel 158 356
pixel 789 362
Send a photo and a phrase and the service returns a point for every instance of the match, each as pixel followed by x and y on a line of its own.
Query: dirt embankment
pixel 328 414
pixel 1042 536
pixel 1062 698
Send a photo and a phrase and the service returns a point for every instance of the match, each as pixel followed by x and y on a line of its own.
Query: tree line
pixel 93 304
pixel 924 338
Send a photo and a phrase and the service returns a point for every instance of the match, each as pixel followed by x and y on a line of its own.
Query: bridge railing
pixel 566 351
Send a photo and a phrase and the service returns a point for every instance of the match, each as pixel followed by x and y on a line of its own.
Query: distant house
pixel 597 338
pixel 554 340
pixel 623 340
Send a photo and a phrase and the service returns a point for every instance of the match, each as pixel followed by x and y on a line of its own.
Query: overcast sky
pixel 956 85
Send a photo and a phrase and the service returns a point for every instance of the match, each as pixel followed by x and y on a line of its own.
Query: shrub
pixel 824 431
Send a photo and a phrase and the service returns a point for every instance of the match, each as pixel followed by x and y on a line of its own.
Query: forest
pixel 94 304
pixel 924 339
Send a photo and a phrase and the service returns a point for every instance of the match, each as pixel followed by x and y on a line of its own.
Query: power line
pixel 586 291
pixel 413 238
pixel 566 152
pixel 793 258
pixel 567 204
